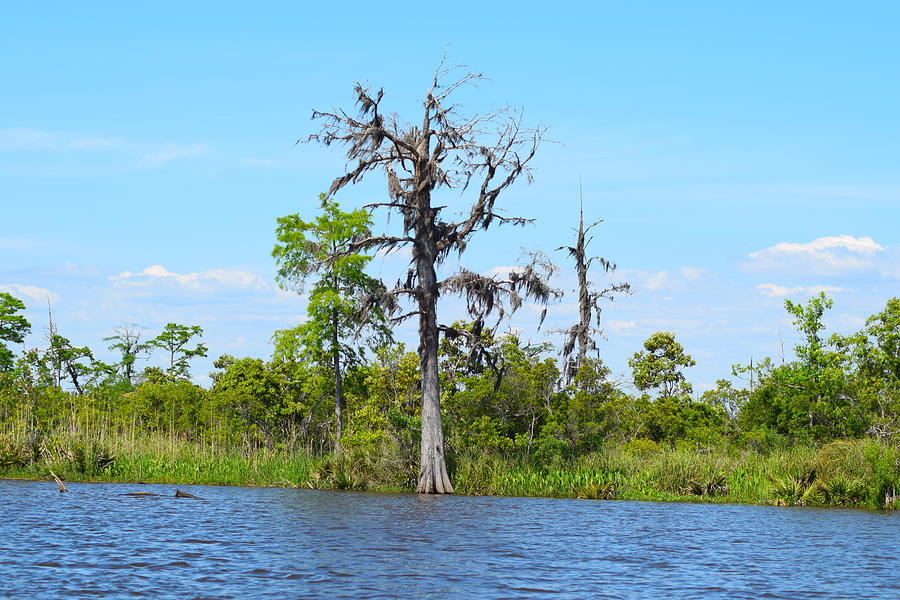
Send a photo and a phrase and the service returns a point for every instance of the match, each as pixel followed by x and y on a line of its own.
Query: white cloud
pixel 236 278
pixel 675 281
pixel 776 291
pixel 828 254
pixel 779 291
pixel 620 327
pixel 31 291
pixel 504 271
pixel 656 282
pixel 563 309
pixel 80 270
pixel 890 265
pixel 693 273
pixel 863 245
pixel 398 254
pixel 204 281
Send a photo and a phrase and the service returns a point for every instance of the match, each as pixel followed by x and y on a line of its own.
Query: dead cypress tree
pixel 484 153
pixel 584 333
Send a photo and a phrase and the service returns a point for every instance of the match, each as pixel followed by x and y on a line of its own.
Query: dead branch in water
pixel 180 494
pixel 59 482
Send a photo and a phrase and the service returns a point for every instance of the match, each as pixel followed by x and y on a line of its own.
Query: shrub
pixel 640 447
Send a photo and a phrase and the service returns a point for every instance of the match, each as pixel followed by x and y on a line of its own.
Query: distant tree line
pixel 520 403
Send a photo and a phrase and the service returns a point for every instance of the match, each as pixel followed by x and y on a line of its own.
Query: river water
pixel 247 543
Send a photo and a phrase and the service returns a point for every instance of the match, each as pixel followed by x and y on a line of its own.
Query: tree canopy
pixel 323 248
pixel 13 327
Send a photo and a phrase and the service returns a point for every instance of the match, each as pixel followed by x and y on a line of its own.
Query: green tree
pixel 13 328
pixel 385 423
pixel 595 410
pixel 672 418
pixel 306 386
pixel 660 365
pixel 874 353
pixel 810 397
pixel 808 320
pixel 726 397
pixel 71 361
pixel 673 415
pixel 323 247
pixel 255 391
pixel 174 340
pixel 161 403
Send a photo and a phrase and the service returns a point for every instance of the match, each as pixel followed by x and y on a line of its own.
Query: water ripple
pixel 254 543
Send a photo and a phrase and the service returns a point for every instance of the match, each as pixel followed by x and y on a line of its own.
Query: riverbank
pixel 844 473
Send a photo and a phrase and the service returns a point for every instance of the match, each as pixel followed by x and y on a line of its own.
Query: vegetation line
pixel 843 473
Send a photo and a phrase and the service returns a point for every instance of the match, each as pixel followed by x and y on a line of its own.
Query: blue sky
pixel 738 156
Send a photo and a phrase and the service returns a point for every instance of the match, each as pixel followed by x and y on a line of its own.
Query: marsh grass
pixel 158 460
pixel 857 473
pixel 844 473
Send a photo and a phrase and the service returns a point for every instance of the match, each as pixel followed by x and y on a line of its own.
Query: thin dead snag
pixel 446 150
pixel 584 333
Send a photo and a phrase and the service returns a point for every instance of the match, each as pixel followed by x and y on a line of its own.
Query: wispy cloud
pixel 656 282
pixel 666 281
pixel 106 153
pixel 204 281
pixel 621 327
pixel 23 139
pixel 693 273
pixel 779 291
pixel 169 153
pixel 503 271
pixel 399 254
pixel 30 291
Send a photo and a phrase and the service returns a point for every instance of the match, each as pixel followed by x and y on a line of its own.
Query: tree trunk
pixel 74 375
pixel 433 476
pixel 338 383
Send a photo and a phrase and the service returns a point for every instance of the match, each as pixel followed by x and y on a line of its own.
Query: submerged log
pixel 180 494
pixel 59 482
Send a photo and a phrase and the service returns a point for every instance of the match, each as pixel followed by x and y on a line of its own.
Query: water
pixel 252 543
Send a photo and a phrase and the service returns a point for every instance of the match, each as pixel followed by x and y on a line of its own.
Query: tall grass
pixel 864 473
pixel 155 459
pixel 843 473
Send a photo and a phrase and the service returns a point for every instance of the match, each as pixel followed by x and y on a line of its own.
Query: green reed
pixel 857 473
